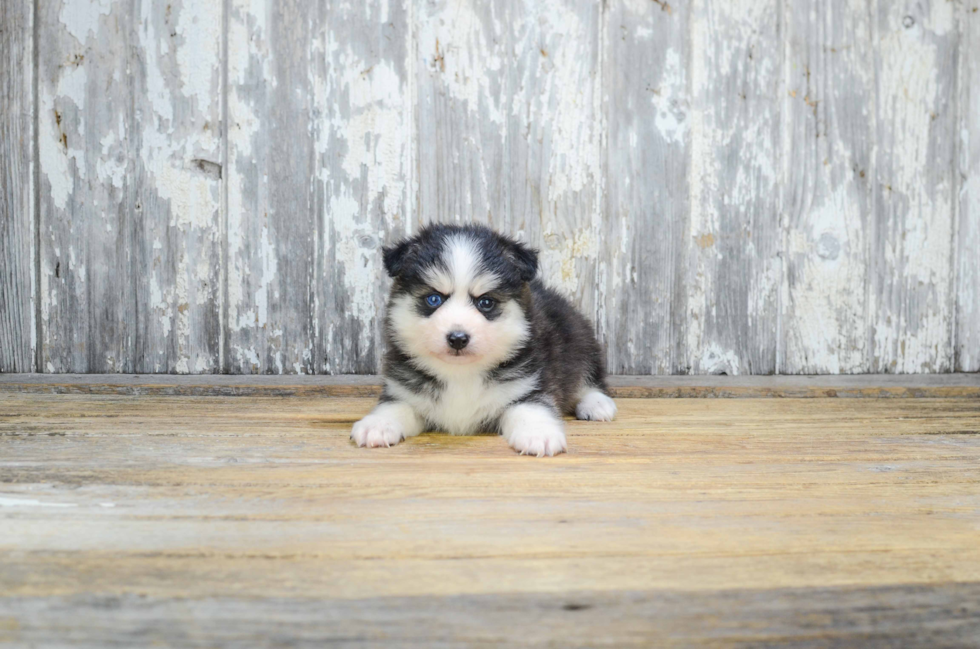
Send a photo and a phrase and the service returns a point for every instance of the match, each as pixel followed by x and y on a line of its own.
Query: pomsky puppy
pixel 477 344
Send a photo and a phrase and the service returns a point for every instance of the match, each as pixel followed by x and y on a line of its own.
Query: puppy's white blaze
pixel 388 424
pixel 533 429
pixel 463 258
pixel 593 405
pixel 461 276
pixel 466 401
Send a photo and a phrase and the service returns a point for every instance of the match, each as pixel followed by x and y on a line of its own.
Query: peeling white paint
pixel 701 183
pixel 716 360
pixel 574 163
pixel 456 49
pixel 669 101
pixel 270 269
pixel 199 26
pixel 56 131
pixel 81 17
pixel 112 165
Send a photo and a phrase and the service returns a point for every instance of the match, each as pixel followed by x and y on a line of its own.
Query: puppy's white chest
pixel 467 402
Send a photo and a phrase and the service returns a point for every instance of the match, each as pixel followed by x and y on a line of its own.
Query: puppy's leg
pixel 533 429
pixel 595 405
pixel 389 423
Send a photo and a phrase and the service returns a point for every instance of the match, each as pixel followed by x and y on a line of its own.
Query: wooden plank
pixel 912 284
pixel 761 521
pixel 864 386
pixel 949 386
pixel 365 195
pixel 273 225
pixel 86 288
pixel 827 158
pixel 17 245
pixel 967 334
pixel 647 93
pixel 128 142
pixel 509 127
pixel 347 385
pixel 929 616
pixel 176 217
pixel 732 269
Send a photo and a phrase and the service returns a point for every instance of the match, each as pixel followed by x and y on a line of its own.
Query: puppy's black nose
pixel 457 339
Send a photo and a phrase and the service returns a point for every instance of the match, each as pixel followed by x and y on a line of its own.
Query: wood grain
pixel 732 267
pixel 642 302
pixel 967 238
pixel 365 172
pixel 912 228
pixel 777 520
pixel 940 616
pixel 176 218
pixel 17 253
pixel 88 209
pixel 827 159
pixel 273 226
pixel 946 386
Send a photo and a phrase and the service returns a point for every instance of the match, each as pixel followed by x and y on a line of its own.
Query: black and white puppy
pixel 477 344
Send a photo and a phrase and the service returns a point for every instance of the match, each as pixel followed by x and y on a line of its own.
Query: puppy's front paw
pixel 534 430
pixel 595 406
pixel 539 442
pixel 377 430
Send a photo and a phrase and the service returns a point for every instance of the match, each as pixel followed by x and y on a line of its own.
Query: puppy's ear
pixel 526 260
pixel 396 256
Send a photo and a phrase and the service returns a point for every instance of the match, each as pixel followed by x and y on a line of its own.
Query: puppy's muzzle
pixel 457 339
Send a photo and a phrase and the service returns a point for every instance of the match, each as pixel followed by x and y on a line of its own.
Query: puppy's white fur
pixel 388 424
pixel 466 401
pixel 595 406
pixel 533 429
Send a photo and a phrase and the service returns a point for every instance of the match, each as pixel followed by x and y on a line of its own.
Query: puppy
pixel 477 344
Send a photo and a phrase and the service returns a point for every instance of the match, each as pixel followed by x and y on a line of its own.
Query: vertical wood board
pixel 365 171
pixel 646 90
pixel 129 110
pixel 828 166
pixel 18 338
pixel 272 221
pixel 911 306
pixel 967 334
pixel 732 270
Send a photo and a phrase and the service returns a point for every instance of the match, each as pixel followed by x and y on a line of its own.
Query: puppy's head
pixel 456 301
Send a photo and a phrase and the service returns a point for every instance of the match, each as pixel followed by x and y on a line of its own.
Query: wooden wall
pixel 739 186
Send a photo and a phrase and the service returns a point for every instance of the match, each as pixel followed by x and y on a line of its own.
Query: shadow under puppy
pixel 477 344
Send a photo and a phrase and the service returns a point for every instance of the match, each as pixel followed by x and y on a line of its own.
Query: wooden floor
pixel 215 521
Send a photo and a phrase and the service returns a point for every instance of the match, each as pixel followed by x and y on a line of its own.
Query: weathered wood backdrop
pixel 741 186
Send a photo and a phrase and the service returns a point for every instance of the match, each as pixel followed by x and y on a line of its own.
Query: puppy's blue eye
pixel 486 303
pixel 433 300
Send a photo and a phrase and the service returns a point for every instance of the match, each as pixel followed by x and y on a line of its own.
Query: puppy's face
pixel 456 302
